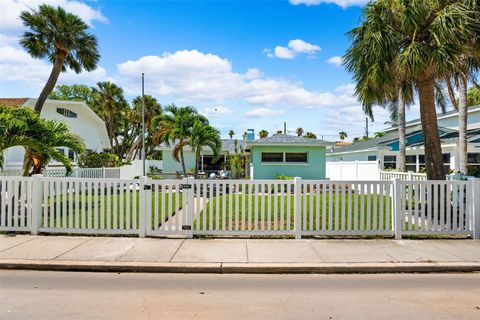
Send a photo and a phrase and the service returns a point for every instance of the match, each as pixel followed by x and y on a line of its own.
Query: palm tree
pixel 110 104
pixel 342 135
pixel 204 135
pixel 62 38
pixel 175 127
pixel 231 133
pixel 263 134
pixel 244 135
pixel 310 135
pixel 299 132
pixel 278 132
pixel 426 40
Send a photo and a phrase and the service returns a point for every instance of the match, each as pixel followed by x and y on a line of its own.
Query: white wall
pixel 135 169
pixel 353 170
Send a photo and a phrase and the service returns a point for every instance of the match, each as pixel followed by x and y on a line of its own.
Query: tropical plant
pixel 174 127
pixel 299 132
pixel 263 134
pixel 61 38
pixel 93 159
pixel 110 105
pixel 310 135
pixel 342 135
pixel 278 132
pixel 75 92
pixel 473 96
pixel 244 135
pixel 40 138
pixel 231 133
pixel 237 162
pixel 378 134
pixel 426 40
pixel 204 135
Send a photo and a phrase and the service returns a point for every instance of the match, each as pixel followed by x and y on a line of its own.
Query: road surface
pixel 64 295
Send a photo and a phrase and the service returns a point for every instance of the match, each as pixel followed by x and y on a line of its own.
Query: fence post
pixel 410 176
pixel 188 214
pixel 297 209
pixel 144 214
pixel 356 169
pixel 397 209
pixel 475 191
pixel 103 172
pixel 37 192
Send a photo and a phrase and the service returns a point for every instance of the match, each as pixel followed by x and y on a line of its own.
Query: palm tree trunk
pixel 52 80
pixel 182 158
pixel 428 116
pixel 197 160
pixel 401 132
pixel 462 124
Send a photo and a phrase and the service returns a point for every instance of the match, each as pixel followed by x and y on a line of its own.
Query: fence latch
pixel 185 186
pixel 147 187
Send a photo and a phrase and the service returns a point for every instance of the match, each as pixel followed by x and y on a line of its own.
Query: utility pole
pixel 366 127
pixel 143 123
pixel 284 128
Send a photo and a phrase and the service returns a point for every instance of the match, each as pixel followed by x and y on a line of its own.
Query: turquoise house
pixel 288 156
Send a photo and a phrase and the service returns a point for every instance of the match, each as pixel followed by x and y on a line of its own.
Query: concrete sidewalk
pixel 237 255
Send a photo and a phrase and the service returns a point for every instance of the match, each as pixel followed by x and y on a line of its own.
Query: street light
pixel 143 124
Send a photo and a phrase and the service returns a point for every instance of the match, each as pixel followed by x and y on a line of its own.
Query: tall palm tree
pixel 244 135
pixel 62 38
pixel 110 104
pixel 299 132
pixel 263 134
pixel 231 133
pixel 204 135
pixel 175 127
pixel 342 135
pixel 310 135
pixel 426 39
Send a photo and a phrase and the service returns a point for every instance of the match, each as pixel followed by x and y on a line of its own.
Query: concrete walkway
pixel 237 255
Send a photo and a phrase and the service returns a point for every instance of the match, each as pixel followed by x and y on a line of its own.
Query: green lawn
pixel 320 212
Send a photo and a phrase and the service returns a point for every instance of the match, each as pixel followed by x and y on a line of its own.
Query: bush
pixel 92 159
pixel 281 176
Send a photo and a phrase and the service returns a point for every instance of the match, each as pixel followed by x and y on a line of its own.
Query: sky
pixel 243 64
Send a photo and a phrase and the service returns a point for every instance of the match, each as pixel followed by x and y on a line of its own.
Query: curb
pixel 242 268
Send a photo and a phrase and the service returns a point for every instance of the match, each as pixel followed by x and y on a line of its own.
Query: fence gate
pixel 168 204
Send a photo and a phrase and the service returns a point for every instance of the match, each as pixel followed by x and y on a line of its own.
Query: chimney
pixel 250 134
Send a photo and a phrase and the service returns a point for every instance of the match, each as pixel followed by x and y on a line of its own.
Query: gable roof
pixel 285 139
pixel 13 102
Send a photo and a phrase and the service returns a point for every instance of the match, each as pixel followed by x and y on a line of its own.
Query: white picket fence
pixel 410 175
pixel 77 173
pixel 191 207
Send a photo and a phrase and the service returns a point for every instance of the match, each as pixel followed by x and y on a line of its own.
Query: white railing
pixel 76 172
pixel 404 176
pixel 191 207
pixel 352 170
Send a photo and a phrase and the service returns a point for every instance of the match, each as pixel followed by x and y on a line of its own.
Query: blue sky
pixel 244 64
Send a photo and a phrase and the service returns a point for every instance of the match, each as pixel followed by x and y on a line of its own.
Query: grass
pixel 320 212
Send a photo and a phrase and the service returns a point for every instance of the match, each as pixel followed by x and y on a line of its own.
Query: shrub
pixel 92 159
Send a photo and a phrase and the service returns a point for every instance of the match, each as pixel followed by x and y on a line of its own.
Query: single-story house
pixel 266 158
pixel 385 149
pixel 79 118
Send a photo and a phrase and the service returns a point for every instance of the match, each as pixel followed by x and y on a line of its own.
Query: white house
pixel 385 149
pixel 77 115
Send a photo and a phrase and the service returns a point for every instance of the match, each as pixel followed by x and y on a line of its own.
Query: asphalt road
pixel 63 295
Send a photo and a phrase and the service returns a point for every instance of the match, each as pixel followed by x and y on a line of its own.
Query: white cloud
pixel 11 9
pixel 341 3
pixel 16 65
pixel 216 111
pixel 263 112
pixel 335 60
pixel 294 48
pixel 284 53
pixel 347 89
pixel 193 76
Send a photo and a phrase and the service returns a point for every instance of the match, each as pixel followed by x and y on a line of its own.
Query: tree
pixel 473 96
pixel 40 138
pixel 342 135
pixel 263 134
pixel 426 40
pixel 244 135
pixel 62 38
pixel 110 105
pixel 231 133
pixel 278 132
pixel 76 92
pixel 310 135
pixel 299 132
pixel 378 134
pixel 204 135
pixel 174 127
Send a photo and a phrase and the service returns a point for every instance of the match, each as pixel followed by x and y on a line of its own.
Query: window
pixel 473 161
pixel 272 156
pixel 389 162
pixel 71 155
pixel 296 157
pixel 372 158
pixel 66 113
pixel 473 158
pixel 411 163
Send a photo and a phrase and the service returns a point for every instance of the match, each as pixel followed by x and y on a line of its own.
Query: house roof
pixel 439 116
pixel 13 102
pixel 227 145
pixel 285 139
